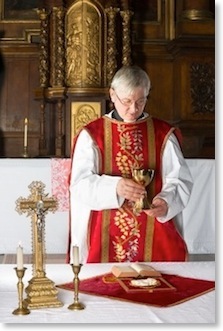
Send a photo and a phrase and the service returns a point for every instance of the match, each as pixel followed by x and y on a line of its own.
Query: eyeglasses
pixel 127 102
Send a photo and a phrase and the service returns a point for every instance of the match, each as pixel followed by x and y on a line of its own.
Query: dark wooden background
pixel 178 52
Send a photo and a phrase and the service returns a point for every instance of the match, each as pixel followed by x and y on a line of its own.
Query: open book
pixel 134 270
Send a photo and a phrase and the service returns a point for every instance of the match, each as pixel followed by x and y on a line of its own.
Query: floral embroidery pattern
pixel 129 155
pixel 129 229
pixel 60 170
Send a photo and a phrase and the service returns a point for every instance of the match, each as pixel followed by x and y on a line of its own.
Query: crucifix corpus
pixel 41 291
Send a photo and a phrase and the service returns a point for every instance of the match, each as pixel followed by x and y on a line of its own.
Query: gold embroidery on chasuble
pixel 124 151
pixel 106 213
pixel 150 194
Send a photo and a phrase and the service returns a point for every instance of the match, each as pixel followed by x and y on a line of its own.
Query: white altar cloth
pixel 198 224
pixel 105 310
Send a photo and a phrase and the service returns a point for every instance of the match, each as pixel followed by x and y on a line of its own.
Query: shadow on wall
pixel 2 76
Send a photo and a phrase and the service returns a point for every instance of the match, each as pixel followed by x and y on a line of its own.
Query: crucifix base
pixel 41 293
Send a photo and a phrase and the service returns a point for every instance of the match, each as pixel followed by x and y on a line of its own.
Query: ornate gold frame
pixel 83 112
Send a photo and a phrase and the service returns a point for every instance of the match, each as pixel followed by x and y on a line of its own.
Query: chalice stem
pixel 145 204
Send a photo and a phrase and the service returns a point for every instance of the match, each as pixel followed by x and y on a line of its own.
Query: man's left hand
pixel 158 208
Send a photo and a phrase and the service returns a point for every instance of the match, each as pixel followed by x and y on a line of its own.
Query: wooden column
pixel 44 74
pixel 111 42
pixel 126 39
pixel 42 141
pixel 60 148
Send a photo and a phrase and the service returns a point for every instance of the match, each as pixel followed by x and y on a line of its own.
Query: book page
pixel 124 271
pixel 126 268
pixel 144 269
pixel 134 270
pixel 139 267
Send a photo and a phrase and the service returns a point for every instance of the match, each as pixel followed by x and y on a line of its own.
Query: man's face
pixel 129 106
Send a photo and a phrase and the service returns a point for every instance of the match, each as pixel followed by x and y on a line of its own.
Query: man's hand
pixel 159 208
pixel 129 189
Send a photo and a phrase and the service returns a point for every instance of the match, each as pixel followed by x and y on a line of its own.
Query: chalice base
pixel 140 205
pixel 146 204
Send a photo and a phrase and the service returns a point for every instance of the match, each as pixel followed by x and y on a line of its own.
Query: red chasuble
pixel 119 235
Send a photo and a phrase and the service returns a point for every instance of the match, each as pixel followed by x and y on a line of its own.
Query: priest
pixel 103 193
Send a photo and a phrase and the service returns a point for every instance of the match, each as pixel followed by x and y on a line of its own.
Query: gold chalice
pixel 144 177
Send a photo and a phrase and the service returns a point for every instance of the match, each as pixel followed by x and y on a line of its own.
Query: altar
pixel 199 309
pixel 197 222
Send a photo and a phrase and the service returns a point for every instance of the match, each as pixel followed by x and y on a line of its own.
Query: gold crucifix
pixel 41 291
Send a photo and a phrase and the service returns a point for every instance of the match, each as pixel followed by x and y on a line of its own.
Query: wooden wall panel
pixel 17 102
pixel 168 49
pixel 160 102
pixel 164 44
pixel 186 103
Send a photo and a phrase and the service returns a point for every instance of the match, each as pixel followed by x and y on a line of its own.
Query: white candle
pixel 76 255
pixel 19 257
pixel 25 132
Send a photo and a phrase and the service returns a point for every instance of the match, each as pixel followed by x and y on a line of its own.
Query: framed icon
pixel 19 10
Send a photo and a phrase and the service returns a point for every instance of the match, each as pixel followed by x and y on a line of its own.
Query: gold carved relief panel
pixel 84 40
pixel 82 113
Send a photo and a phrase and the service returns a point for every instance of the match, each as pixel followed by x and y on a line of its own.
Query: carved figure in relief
pixel 74 53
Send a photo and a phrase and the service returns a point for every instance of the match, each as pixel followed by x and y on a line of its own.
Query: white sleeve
pixel 96 191
pixel 177 179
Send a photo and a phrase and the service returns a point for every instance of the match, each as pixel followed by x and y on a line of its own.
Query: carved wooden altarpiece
pixel 82 46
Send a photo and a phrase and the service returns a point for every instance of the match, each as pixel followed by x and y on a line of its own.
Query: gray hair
pixel 130 77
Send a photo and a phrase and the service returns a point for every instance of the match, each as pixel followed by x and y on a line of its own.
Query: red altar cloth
pixel 107 285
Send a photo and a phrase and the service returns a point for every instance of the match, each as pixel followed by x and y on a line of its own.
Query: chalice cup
pixel 144 177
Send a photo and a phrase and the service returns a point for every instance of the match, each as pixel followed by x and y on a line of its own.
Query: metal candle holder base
pixel 25 152
pixel 21 310
pixel 76 305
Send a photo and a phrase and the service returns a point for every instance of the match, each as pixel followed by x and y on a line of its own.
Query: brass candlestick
pixel 25 151
pixel 76 305
pixel 21 310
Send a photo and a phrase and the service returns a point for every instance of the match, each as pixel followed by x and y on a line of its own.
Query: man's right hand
pixel 130 190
